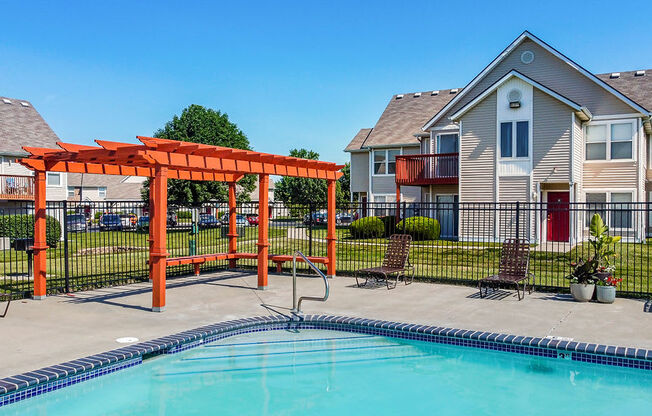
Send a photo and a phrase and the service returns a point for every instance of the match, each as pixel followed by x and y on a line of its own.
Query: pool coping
pixel 32 383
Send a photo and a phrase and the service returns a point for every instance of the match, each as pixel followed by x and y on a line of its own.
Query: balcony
pixel 427 169
pixel 16 187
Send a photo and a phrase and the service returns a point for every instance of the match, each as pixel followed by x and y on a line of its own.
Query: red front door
pixel 558 216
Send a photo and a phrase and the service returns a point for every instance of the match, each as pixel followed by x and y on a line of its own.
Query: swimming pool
pixel 322 371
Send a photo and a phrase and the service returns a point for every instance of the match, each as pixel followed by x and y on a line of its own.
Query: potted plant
pixel 606 289
pixel 597 268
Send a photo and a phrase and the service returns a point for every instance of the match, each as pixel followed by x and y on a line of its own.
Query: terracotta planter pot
pixel 582 292
pixel 606 294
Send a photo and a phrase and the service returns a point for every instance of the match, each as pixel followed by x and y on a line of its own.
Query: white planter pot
pixel 606 294
pixel 582 292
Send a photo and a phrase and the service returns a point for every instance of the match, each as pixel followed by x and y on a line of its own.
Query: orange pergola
pixel 161 160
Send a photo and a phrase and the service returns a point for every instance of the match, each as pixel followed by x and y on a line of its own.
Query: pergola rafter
pixel 162 159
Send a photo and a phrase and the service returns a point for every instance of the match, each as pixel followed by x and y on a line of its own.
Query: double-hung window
pixel 53 179
pixel 610 141
pixel 101 191
pixel 614 208
pixel 514 139
pixel 385 161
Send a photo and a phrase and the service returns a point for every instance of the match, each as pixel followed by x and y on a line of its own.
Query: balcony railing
pixel 16 187
pixel 427 169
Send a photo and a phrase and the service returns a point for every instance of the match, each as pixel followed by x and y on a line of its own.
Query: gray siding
pixel 360 172
pixel 514 188
pixel 551 130
pixel 383 184
pixel 555 74
pixel 478 151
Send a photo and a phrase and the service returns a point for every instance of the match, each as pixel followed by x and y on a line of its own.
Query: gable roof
pixel 358 140
pixel 22 125
pixel 403 118
pixel 527 35
pixel 515 74
pixel 638 88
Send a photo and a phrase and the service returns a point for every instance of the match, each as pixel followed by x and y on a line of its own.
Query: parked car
pixel 76 223
pixel 317 218
pixel 343 218
pixel 208 221
pixel 252 219
pixel 143 223
pixel 240 220
pixel 172 218
pixel 128 220
pixel 110 222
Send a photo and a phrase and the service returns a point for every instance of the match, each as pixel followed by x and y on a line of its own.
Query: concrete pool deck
pixel 36 334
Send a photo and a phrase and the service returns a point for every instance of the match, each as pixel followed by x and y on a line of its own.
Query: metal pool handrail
pixel 296 307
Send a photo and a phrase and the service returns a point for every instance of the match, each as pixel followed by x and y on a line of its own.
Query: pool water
pixel 316 372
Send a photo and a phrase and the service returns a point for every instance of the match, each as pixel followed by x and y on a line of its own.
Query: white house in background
pixel 88 187
pixel 21 125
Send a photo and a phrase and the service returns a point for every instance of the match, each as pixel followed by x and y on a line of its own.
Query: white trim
pixel 387 150
pixel 608 123
pixel 435 142
pixel 572 154
pixel 514 144
pixel 616 116
pixel 459 168
pixel 507 51
pixel 370 185
pixel 513 74
pixel 608 192
pixel 544 223
pixel 445 128
pixel 47 179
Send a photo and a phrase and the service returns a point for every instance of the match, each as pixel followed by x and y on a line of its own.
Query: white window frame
pixel 608 193
pixel 608 124
pixel 71 190
pixel 389 207
pixel 101 192
pixel 529 140
pixel 52 174
pixel 386 151
pixel 443 133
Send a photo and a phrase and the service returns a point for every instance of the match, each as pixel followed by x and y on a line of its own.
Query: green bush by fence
pixel 368 227
pixel 420 228
pixel 22 226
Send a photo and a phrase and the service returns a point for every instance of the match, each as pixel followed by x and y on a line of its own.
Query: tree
pixel 198 124
pixel 304 191
pixel 344 196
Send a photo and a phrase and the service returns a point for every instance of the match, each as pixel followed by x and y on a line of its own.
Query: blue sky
pixel 290 74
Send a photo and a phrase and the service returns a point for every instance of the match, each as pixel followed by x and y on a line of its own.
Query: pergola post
pixel 150 228
pixel 40 242
pixel 263 227
pixel 158 222
pixel 330 232
pixel 398 203
pixel 233 231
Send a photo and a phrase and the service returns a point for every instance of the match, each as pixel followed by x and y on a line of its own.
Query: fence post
pixel 518 223
pixel 310 220
pixel 65 246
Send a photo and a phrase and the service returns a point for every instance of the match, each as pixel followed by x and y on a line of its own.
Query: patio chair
pixel 396 263
pixel 7 297
pixel 513 268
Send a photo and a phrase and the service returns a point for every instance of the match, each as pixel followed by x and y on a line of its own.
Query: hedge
pixel 368 227
pixel 420 228
pixel 22 226
pixel 389 222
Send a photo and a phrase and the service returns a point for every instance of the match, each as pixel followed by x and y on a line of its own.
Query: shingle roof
pixel 126 188
pixel 403 118
pixel 358 140
pixel 637 88
pixel 22 125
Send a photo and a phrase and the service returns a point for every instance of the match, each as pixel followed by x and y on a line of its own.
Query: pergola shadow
pixel 160 160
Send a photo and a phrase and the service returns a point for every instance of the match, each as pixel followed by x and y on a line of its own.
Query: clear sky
pixel 290 74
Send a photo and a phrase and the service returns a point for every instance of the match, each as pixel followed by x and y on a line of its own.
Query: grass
pixel 433 260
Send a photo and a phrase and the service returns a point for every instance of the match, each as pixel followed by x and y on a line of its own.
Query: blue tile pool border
pixel 34 383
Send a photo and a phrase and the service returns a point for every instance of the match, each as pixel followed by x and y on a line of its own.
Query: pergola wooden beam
pixel 161 160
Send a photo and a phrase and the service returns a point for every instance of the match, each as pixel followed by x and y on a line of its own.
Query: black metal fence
pixel 97 244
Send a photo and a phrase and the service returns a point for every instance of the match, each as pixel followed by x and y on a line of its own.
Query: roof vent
pixel 435 92
pixel 639 73
pixel 454 91
pixel 398 97
pixel 6 100
pixel 417 94
pixel 24 104
pixel 614 75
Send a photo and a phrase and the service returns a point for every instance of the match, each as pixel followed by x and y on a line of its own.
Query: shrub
pixel 22 226
pixel 389 222
pixel 420 228
pixel 368 227
pixel 184 215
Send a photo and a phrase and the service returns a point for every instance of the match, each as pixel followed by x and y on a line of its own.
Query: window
pixel 71 192
pixel 609 141
pixel 515 145
pixel 613 207
pixel 385 161
pixel 53 179
pixel 447 143
pixel 101 191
